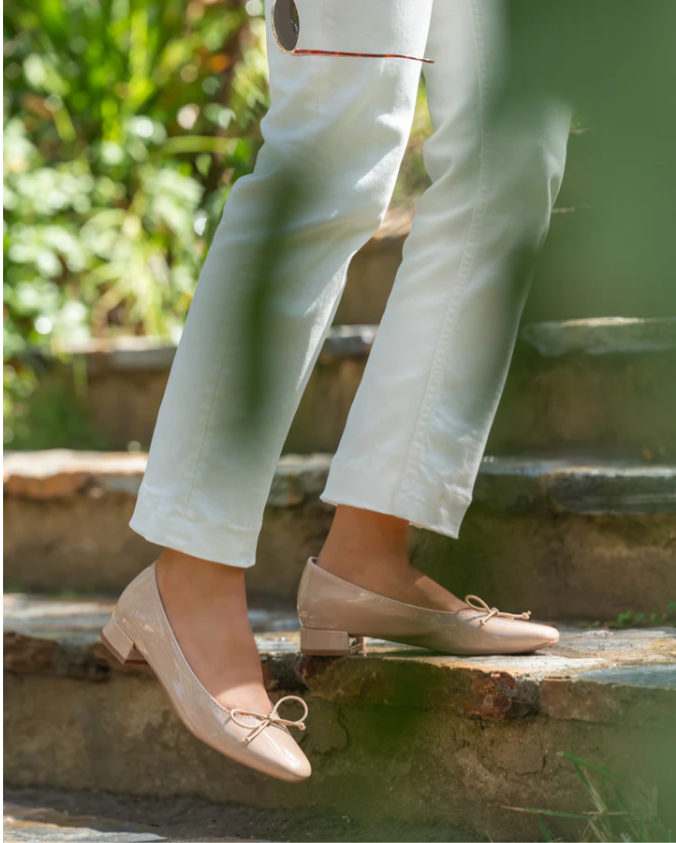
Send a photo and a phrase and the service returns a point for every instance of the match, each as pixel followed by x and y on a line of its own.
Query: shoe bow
pixel 266 720
pixel 492 613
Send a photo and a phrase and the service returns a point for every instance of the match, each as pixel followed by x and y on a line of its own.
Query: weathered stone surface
pixel 45 636
pixel 60 474
pixel 396 737
pixel 591 541
pixel 588 567
pixel 31 824
pixel 49 814
pixel 610 335
pixel 591 387
pixel 151 354
pixel 297 481
pixel 565 286
pixel 119 353
pixel 57 816
pixel 372 270
pixel 567 485
pixel 507 687
pixel 393 764
pixel 83 502
pixel 599 384
pixel 60 638
pixel 634 694
pixel 562 484
pixel 126 379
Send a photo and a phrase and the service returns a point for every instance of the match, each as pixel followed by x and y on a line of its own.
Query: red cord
pixel 360 55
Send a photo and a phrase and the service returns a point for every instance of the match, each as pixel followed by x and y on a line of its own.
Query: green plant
pixel 413 178
pixel 630 620
pixel 126 124
pixel 622 809
pixel 633 620
pixel 44 414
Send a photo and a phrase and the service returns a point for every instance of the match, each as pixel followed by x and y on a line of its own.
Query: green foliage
pixel 45 414
pixel 621 808
pixel 632 620
pixel 126 124
pixel 413 178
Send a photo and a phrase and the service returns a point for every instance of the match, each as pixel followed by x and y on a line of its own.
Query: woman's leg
pixel 370 549
pixel 342 123
pixel 419 424
pixel 206 607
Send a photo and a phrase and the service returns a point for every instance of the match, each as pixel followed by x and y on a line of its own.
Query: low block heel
pixel 330 642
pixel 120 644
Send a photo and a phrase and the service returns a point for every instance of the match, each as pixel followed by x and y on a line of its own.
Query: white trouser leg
pixel 418 427
pixel 344 122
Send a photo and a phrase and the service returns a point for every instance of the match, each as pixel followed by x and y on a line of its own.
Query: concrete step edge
pixel 598 675
pixel 579 486
pixel 588 337
pixel 601 336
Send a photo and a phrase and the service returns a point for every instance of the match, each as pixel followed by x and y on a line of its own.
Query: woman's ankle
pixel 360 537
pixel 206 606
pixel 191 580
pixel 370 550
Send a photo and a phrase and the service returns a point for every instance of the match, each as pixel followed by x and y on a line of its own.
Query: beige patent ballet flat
pixel 337 615
pixel 139 631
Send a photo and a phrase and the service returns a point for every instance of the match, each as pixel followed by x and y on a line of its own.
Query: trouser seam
pixel 466 266
pixel 205 430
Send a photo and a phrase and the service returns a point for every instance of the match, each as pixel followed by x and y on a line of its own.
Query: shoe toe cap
pixel 545 635
pixel 277 753
pixel 517 636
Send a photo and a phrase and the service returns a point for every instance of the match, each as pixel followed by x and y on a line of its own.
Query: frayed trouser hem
pixel 376 489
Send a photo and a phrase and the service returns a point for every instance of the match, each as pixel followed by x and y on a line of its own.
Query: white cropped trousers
pixel 417 429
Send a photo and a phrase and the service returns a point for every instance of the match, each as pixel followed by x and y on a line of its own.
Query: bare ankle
pixel 358 535
pixel 206 606
pixel 189 578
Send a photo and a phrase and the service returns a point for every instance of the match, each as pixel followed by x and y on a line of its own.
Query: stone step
pixel 126 378
pixel 566 284
pixel 607 385
pixel 401 740
pixel 51 815
pixel 48 815
pixel 572 279
pixel 564 538
pixel 372 270
pixel 602 386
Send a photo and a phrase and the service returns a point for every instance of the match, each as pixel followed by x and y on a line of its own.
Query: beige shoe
pixel 139 631
pixel 337 615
